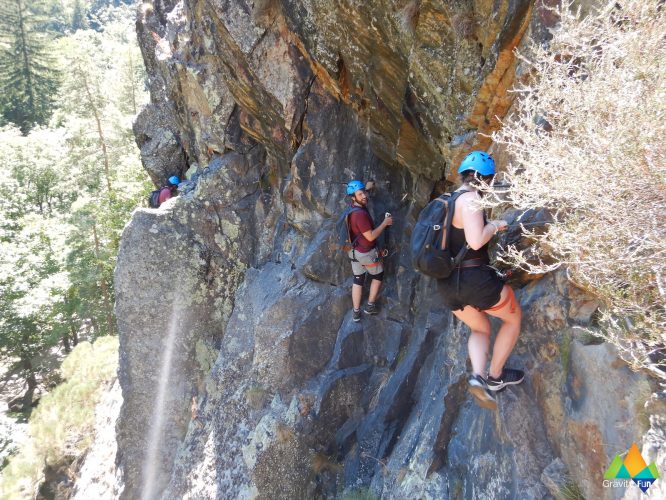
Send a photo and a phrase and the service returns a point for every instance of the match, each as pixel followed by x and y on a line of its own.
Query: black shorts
pixel 478 286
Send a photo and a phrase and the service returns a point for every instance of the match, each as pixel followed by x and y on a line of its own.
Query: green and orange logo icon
pixel 632 467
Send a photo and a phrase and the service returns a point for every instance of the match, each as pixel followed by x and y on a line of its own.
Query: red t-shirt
pixel 165 194
pixel 359 223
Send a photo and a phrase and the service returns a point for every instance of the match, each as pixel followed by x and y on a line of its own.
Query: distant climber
pixel 159 196
pixel 364 255
pixel 474 290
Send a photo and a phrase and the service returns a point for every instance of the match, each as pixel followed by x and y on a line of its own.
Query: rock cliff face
pixel 242 372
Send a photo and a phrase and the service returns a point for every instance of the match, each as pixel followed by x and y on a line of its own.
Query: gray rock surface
pixel 653 449
pixel 99 477
pixel 237 342
pixel 555 477
pixel 189 256
pixel 605 413
pixel 161 153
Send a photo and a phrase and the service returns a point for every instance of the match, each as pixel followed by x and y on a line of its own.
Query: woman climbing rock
pixel 474 290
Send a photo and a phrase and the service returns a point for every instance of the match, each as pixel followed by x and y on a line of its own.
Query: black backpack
pixel 154 198
pixel 427 254
pixel 342 229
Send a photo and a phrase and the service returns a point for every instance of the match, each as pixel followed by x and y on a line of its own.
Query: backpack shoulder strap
pixel 350 211
pixel 450 210
pixel 449 222
pixel 347 212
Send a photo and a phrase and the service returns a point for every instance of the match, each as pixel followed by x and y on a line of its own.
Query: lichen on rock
pixel 274 391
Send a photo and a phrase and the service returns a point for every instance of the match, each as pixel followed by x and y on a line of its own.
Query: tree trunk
pixel 100 131
pixel 65 343
pixel 73 328
pixel 106 296
pixel 131 75
pixel 73 334
pixel 95 325
pixel 26 364
pixel 26 62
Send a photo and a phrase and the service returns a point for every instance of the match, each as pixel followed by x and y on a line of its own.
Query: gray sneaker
pixel 371 308
pixel 479 389
pixel 509 376
pixel 356 315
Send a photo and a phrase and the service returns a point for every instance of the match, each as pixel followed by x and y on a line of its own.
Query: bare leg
pixel 479 340
pixel 357 293
pixel 507 336
pixel 375 286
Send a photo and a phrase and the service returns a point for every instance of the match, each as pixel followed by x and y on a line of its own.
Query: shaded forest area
pixel 71 82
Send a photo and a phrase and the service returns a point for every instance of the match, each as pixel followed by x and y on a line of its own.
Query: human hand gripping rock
pixel 499 224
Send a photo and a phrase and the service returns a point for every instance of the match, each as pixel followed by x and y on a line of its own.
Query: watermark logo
pixel 621 473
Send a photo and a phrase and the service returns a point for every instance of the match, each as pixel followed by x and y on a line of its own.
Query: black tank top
pixel 458 241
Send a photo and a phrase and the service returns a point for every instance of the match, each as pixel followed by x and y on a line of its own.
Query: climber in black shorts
pixel 474 290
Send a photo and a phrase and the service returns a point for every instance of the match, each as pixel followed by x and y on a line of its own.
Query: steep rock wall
pixel 242 372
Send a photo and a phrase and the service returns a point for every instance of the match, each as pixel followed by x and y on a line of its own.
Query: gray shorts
pixel 367 262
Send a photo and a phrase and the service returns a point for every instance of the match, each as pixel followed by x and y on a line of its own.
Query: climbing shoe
pixel 509 376
pixel 479 389
pixel 356 315
pixel 371 308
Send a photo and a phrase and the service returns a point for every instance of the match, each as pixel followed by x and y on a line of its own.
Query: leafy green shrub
pixel 60 428
pixel 570 491
pixel 587 143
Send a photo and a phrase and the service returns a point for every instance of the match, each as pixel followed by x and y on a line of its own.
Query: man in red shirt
pixel 364 256
pixel 170 190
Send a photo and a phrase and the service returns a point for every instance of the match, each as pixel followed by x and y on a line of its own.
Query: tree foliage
pixel 587 143
pixel 32 282
pixel 69 190
pixel 28 74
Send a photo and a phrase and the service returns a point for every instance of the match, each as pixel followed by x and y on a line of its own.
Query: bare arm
pixel 477 233
pixel 374 234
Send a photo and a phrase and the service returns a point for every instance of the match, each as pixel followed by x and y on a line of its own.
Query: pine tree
pixel 28 76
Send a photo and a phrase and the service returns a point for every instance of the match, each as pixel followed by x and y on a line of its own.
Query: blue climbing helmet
pixel 480 162
pixel 354 186
pixel 174 180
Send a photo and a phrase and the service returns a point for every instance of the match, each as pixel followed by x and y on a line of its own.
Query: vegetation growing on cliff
pixel 60 429
pixel 587 143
